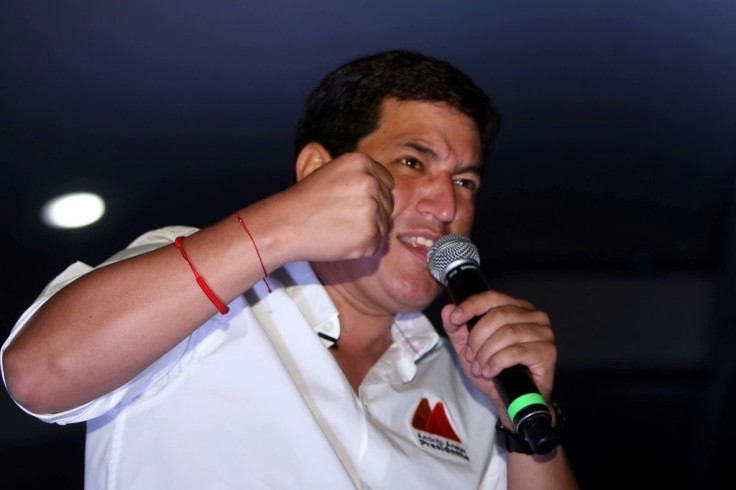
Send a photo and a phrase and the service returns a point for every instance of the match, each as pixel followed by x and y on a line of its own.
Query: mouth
pixel 418 244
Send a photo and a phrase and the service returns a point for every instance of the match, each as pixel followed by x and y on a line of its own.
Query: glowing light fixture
pixel 73 210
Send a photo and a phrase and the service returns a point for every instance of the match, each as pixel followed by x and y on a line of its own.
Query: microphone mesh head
pixel 449 252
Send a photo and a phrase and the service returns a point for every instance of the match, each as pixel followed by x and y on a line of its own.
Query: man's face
pixel 433 152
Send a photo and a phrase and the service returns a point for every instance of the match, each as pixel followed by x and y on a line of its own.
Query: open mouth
pixel 418 243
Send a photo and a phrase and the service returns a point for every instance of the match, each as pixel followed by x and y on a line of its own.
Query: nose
pixel 437 199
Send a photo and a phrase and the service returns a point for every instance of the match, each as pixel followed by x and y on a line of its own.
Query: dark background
pixel 607 201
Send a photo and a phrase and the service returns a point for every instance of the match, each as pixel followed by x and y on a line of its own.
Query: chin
pixel 413 297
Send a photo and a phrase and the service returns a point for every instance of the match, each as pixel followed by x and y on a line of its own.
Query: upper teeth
pixel 424 241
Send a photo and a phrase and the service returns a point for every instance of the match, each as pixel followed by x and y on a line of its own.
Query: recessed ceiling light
pixel 73 210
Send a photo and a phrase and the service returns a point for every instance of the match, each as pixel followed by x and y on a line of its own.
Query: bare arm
pixel 106 327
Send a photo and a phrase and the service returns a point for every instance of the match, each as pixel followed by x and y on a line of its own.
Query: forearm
pixel 107 326
pixel 547 472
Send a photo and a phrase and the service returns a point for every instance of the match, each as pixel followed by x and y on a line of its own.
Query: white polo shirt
pixel 221 411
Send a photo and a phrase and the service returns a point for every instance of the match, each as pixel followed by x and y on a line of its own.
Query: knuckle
pixel 364 161
pixel 368 212
pixel 494 295
pixel 510 331
pixel 366 234
pixel 550 334
pixel 543 318
pixel 356 157
pixel 367 184
pixel 495 364
pixel 518 350
pixel 553 353
pixel 496 316
pixel 526 304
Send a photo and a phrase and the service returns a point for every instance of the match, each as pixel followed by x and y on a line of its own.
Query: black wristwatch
pixel 512 442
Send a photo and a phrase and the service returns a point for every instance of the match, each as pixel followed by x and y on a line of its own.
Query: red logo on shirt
pixel 433 420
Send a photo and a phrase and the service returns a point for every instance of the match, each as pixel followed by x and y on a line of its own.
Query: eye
pixel 469 184
pixel 410 162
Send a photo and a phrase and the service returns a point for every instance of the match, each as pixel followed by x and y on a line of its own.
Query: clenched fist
pixel 339 209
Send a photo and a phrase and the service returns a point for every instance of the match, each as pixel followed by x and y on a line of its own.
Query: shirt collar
pixel 305 289
pixel 414 336
pixel 413 333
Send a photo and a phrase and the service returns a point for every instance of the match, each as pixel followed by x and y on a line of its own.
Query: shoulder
pixel 151 240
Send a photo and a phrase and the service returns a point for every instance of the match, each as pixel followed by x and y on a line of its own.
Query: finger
pixel 383 175
pixel 539 357
pixel 457 334
pixel 495 318
pixel 507 336
pixel 385 199
pixel 383 218
pixel 507 325
pixel 478 304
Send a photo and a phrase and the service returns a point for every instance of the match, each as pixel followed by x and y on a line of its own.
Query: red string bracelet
pixel 242 223
pixel 200 280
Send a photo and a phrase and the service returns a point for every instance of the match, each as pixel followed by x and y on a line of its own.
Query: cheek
pixel 401 195
pixel 464 218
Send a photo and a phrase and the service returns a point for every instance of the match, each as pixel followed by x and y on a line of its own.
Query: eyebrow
pixel 476 168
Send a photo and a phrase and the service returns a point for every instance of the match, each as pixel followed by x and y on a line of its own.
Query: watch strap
pixel 513 442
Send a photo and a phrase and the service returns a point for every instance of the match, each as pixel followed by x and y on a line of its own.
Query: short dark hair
pixel 346 105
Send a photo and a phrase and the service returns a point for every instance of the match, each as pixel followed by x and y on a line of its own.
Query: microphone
pixel 454 261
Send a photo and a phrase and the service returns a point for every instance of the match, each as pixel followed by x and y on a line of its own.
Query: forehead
pixel 437 125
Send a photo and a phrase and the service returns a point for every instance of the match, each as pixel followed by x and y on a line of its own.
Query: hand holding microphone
pixel 454 261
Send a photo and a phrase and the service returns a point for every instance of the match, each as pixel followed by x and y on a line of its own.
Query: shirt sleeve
pixel 153 374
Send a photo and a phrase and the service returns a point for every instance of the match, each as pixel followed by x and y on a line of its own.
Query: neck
pixel 361 330
pixel 365 334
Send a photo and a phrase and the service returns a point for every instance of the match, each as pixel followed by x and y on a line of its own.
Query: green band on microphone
pixel 524 401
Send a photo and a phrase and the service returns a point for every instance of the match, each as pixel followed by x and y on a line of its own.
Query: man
pixel 323 375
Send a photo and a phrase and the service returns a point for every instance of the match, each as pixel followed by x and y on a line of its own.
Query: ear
pixel 310 158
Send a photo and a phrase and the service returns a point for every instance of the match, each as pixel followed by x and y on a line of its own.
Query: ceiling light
pixel 73 210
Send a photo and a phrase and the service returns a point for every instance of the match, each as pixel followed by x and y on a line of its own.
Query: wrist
pixel 266 232
pixel 513 442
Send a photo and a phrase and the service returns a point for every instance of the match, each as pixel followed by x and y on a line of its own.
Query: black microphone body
pixel 526 407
